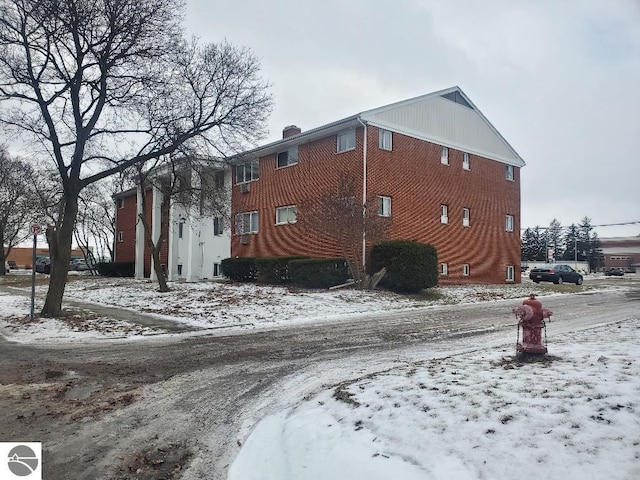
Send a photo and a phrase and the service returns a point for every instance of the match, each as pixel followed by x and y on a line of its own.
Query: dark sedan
pixel 616 272
pixel 556 274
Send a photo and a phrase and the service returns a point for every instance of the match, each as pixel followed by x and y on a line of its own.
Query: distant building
pixel 621 252
pixel 23 256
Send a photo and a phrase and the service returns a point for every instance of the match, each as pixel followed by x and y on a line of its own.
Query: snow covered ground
pixel 480 415
pixel 473 415
pixel 221 307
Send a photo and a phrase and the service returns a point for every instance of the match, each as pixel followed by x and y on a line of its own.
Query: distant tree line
pixel 557 243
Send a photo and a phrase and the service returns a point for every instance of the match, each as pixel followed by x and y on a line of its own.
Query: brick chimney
pixel 290 131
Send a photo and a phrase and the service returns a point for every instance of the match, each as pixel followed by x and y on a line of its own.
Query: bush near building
pixel 239 269
pixel 116 269
pixel 411 266
pixel 318 272
pixel 274 270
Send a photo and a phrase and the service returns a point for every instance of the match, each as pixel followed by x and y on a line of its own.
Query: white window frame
pixel 444 214
pixel 466 161
pixel 444 269
pixel 385 140
pixel 511 273
pixel 444 156
pixel 509 173
pixel 466 270
pixel 284 214
pixel 250 171
pixel 291 157
pixel 181 228
pixel 346 141
pixel 120 236
pixel 466 217
pixel 247 218
pixel 384 206
pixel 509 223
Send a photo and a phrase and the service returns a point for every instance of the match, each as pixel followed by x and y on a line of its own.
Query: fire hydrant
pixel 531 315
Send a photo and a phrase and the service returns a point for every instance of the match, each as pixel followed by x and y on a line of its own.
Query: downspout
pixel 364 194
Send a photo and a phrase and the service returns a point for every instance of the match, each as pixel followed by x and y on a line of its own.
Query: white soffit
pixel 445 122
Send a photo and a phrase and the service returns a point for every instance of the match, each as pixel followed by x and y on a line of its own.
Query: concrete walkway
pixel 134 317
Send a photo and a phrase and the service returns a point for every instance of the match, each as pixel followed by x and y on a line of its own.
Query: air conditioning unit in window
pixel 245 187
pixel 465 222
pixel 244 239
pixel 444 219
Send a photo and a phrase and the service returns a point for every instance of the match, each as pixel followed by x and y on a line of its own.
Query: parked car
pixel 12 264
pixel 618 272
pixel 43 265
pixel 78 264
pixel 556 274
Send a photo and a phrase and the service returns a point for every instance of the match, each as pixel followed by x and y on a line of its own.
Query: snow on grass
pixel 484 415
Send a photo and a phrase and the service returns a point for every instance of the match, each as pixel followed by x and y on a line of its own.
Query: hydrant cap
pixel 532 296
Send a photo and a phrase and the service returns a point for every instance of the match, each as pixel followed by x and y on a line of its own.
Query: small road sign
pixel 35 229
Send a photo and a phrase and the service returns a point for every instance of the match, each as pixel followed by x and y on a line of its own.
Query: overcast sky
pixel 558 79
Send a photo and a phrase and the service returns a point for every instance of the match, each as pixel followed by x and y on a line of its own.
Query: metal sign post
pixel 36 230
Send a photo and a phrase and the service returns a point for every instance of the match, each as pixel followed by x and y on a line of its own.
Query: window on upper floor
pixel 444 214
pixel 180 228
pixel 346 141
pixel 444 269
pixel 121 203
pixel 466 162
pixel 285 215
pixel 217 226
pixel 246 172
pixel 466 217
pixel 509 223
pixel 218 179
pixel 120 236
pixel 444 156
pixel 289 157
pixel 246 222
pixel 466 269
pixel 508 172
pixel 385 139
pixel 384 206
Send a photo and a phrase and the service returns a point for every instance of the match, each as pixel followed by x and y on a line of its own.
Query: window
pixel 179 269
pixel 217 226
pixel 247 223
pixel 290 157
pixel 385 139
pixel 466 217
pixel 121 203
pixel 465 270
pixel 444 216
pixel 121 236
pixel 509 223
pixel 466 163
pixel 216 270
pixel 444 269
pixel 180 228
pixel 510 273
pixel 508 172
pixel 246 172
pixel 444 156
pixel 219 179
pixel 346 141
pixel 384 206
pixel 286 215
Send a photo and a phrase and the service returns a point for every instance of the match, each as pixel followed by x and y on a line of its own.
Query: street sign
pixel 35 229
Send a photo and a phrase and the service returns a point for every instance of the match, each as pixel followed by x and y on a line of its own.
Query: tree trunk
pixel 157 267
pixel 60 255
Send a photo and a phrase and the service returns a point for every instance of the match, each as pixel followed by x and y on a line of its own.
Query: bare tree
pixel 17 201
pixel 103 86
pixel 194 186
pixel 348 224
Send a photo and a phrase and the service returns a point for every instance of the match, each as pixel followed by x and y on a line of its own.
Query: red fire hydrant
pixel 531 315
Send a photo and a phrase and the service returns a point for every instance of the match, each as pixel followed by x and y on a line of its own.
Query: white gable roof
pixel 448 118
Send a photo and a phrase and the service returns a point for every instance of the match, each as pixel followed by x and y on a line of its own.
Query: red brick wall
pixel 418 183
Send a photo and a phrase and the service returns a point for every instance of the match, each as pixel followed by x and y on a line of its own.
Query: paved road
pixel 201 394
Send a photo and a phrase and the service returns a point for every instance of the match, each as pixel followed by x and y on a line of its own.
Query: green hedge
pixel 239 269
pixel 318 272
pixel 411 266
pixel 274 270
pixel 116 269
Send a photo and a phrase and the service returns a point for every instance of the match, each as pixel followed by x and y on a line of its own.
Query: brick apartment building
pixel 439 168
pixel 621 252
